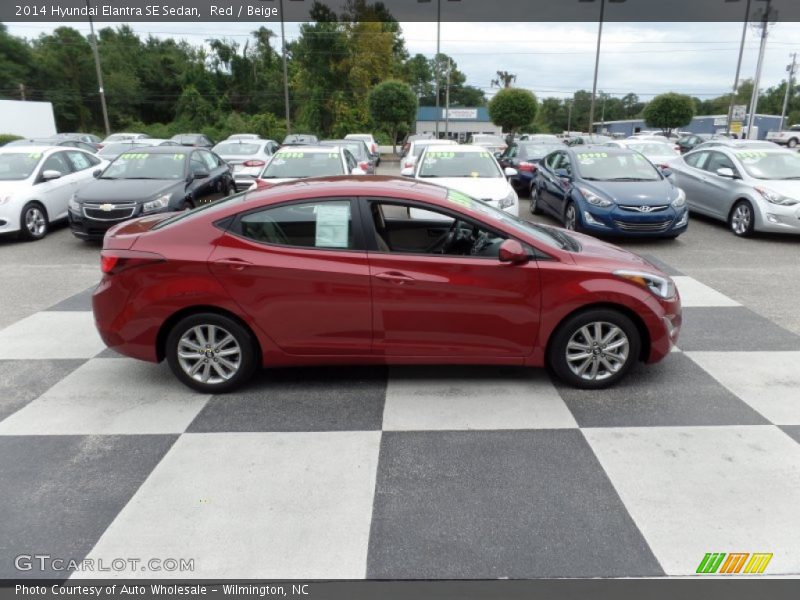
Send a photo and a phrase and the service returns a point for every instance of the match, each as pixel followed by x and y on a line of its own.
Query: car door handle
pixel 394 277
pixel 236 264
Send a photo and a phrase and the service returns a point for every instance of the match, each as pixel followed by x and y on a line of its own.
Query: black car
pixel 688 142
pixel 196 140
pixel 524 157
pixel 147 181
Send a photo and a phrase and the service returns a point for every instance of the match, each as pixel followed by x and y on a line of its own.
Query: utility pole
pixel 99 71
pixel 22 92
pixel 789 84
pixel 569 117
pixel 759 65
pixel 738 67
pixel 436 62
pixel 447 102
pixel 603 113
pixel 285 76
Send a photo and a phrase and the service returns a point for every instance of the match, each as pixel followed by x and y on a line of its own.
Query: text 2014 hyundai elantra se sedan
pixel 335 271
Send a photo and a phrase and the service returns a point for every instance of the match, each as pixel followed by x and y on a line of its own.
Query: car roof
pixel 468 148
pixel 374 186
pixel 583 148
pixel 301 148
pixel 161 149
pixel 31 149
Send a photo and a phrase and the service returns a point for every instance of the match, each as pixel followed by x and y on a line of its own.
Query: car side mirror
pixel 726 172
pixel 51 174
pixel 357 171
pixel 511 251
pixel 96 173
pixel 498 154
pixel 509 172
pixel 200 174
pixel 407 172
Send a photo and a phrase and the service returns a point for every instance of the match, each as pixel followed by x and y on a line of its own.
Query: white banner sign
pixel 460 113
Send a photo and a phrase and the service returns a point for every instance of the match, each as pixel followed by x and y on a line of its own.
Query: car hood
pixel 595 252
pixel 635 193
pixel 487 188
pixel 127 190
pixel 786 187
pixel 9 188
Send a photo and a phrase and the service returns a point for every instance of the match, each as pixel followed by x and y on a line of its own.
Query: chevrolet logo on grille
pixel 106 207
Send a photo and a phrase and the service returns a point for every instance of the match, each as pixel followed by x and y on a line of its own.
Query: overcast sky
pixel 555 59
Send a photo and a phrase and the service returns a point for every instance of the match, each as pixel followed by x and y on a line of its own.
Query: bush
pixel 8 137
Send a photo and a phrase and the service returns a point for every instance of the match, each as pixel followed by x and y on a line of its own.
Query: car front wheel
pixel 33 222
pixel 211 353
pixel 534 195
pixel 594 349
pixel 742 220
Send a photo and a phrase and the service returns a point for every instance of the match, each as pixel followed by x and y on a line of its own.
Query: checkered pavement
pixel 406 472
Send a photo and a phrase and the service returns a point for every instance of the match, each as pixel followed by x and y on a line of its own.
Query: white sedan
pixel 298 162
pixel 36 184
pixel 471 170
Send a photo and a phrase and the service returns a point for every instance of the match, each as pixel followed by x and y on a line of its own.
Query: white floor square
pixel 693 490
pixel 110 396
pixel 51 335
pixel 696 294
pixel 460 398
pixel 767 381
pixel 253 506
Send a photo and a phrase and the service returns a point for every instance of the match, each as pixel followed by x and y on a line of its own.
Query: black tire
pixel 210 379
pixel 534 196
pixel 33 222
pixel 573 223
pixel 792 143
pixel 571 330
pixel 742 219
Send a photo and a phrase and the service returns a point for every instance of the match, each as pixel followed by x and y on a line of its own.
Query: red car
pixel 337 271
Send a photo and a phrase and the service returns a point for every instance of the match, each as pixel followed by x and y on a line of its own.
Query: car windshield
pixel 455 163
pixel 616 166
pixel 303 164
pixel 357 148
pixel 15 166
pixel 763 164
pixel 535 151
pixel 547 235
pixel 146 165
pixel 653 149
pixel 237 149
pixel 113 150
pixel 418 148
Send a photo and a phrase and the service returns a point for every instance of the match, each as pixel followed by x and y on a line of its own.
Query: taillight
pixel 261 184
pixel 526 166
pixel 408 165
pixel 253 163
pixel 114 261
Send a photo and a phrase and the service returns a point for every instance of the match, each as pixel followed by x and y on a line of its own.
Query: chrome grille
pixel 646 226
pixel 645 209
pixel 102 212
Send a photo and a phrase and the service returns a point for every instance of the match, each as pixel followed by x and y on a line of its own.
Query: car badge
pixel 644 209
pixel 106 207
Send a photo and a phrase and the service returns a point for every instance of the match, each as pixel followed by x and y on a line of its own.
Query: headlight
pixel 593 198
pixel 74 205
pixel 508 200
pixel 157 204
pixel 663 287
pixel 680 200
pixel 776 198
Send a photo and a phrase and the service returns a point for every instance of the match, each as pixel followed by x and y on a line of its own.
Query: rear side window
pixel 82 161
pixel 57 162
pixel 316 224
pixel 697 159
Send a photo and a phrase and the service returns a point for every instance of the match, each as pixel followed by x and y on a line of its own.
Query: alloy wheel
pixel 741 219
pixel 35 222
pixel 570 218
pixel 209 354
pixel 597 351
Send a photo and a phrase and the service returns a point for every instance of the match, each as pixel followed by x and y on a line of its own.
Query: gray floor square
pixel 675 391
pixel 61 492
pixel 792 431
pixel 82 301
pixel 517 504
pixel 307 399
pixel 22 381
pixel 732 329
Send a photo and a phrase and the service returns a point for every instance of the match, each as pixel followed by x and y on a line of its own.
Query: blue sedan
pixel 609 191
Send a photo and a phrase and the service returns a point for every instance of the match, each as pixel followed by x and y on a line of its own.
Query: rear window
pixel 291 165
pixel 237 149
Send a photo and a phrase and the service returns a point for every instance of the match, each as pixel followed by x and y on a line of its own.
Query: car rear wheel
pixel 594 349
pixel 792 143
pixel 534 195
pixel 211 353
pixel 742 219
pixel 33 222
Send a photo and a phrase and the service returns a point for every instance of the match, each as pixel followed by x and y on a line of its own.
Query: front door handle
pixel 236 264
pixel 394 277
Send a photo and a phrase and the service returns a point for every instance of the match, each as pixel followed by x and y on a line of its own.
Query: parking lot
pixel 408 472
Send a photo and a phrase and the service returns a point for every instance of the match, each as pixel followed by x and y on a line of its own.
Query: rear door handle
pixel 394 277
pixel 236 264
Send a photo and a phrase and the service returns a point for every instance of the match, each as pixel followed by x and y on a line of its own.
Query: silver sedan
pixel 751 189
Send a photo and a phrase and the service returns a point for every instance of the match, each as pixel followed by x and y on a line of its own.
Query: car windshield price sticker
pixel 333 224
pixel 588 157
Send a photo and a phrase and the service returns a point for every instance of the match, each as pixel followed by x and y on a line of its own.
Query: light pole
pixel 569 117
pixel 759 65
pixel 738 64
pixel 597 57
pixel 436 59
pixel 99 72
pixel 789 83
pixel 285 69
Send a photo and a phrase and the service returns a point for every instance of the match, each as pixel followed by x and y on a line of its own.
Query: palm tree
pixel 504 79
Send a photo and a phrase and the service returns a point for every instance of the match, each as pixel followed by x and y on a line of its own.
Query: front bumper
pixel 617 221
pixel 87 228
pixel 775 218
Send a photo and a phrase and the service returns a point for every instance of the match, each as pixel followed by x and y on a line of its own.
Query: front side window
pixel 718 160
pixel 210 160
pixel 57 162
pixel 316 224
pixel 696 159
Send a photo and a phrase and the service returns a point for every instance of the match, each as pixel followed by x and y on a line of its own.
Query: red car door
pixel 297 270
pixel 450 306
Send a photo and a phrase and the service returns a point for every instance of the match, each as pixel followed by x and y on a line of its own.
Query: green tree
pixel 668 111
pixel 512 108
pixel 394 105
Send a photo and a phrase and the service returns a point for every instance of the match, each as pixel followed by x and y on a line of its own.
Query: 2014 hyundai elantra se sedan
pixel 335 271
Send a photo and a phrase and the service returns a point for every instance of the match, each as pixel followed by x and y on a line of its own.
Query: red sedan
pixel 340 271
